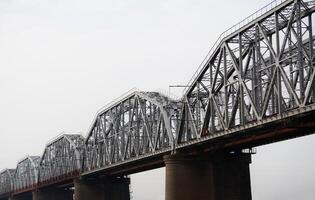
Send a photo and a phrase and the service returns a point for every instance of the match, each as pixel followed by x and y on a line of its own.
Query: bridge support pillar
pixel 11 198
pixel 215 178
pixel 53 194
pixel 102 189
pixel 25 196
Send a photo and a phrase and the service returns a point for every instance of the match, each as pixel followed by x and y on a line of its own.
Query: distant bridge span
pixel 256 86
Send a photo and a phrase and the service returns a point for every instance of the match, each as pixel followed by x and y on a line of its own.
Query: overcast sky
pixel 62 60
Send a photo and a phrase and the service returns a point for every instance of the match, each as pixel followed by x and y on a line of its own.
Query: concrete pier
pixel 102 189
pixel 221 177
pixel 25 196
pixel 53 194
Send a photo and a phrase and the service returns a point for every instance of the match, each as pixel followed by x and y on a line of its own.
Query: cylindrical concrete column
pixel 23 196
pixel 188 178
pixel 86 190
pixel 117 188
pixel 114 188
pixel 232 176
pixel 35 195
pixel 220 177
pixel 53 194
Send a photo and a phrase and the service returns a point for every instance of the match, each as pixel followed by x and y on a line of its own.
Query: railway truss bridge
pixel 255 87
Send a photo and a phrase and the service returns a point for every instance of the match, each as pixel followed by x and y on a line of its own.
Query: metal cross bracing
pixel 25 176
pixel 260 71
pixel 140 123
pixel 263 69
pixel 62 158
pixel 6 181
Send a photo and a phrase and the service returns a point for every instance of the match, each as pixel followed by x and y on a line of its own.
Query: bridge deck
pixel 255 87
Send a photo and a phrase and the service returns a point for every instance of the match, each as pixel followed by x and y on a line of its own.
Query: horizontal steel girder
pixel 259 73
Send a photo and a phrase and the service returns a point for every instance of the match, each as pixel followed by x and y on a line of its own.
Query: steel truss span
pixel 26 173
pixel 141 123
pixel 62 159
pixel 263 69
pixel 6 181
pixel 259 75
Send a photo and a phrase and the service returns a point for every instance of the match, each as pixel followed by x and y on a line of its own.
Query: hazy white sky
pixel 62 60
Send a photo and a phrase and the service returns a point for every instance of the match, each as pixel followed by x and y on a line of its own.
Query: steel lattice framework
pixel 26 173
pixel 6 181
pixel 263 69
pixel 62 158
pixel 140 123
pixel 259 71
